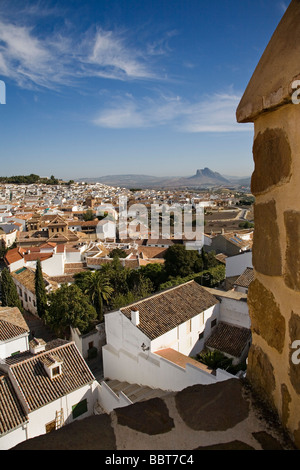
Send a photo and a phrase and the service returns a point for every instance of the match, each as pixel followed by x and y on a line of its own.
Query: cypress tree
pixel 40 290
pixel 9 292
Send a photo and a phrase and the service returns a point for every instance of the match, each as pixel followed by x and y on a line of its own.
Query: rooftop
pixel 162 312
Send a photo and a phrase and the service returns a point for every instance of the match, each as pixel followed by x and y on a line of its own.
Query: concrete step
pixel 134 392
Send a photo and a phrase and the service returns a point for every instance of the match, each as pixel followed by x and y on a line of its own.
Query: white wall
pixel 30 303
pixel 82 341
pixel 54 266
pixel 235 312
pixel 154 371
pixel 11 439
pixel 42 416
pixel 124 359
pixel 236 265
pixel 110 400
pixel 185 341
pixel 14 345
pixel 16 265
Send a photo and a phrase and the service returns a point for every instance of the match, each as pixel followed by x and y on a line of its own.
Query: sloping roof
pixel 270 84
pixel 11 413
pixel 13 316
pixel 9 331
pixel 245 279
pixel 34 383
pixel 13 255
pixel 162 312
pixel 230 339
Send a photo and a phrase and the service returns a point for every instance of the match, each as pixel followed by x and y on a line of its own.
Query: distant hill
pixel 204 178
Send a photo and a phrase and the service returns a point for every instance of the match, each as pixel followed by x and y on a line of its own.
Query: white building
pixel 14 332
pixel 42 390
pixel 140 337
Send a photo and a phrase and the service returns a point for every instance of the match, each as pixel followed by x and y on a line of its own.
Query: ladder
pixel 59 418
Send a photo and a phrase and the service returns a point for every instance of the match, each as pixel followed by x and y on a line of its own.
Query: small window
pixel 79 409
pixel 55 371
pixel 213 323
pixel 91 344
pixel 25 296
pixel 15 353
pixel 201 335
pixel 50 426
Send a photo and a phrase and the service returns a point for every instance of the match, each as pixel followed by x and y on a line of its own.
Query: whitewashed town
pixel 130 349
pixel 150 238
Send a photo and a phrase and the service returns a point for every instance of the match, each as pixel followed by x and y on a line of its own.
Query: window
pixel 15 353
pixel 51 426
pixel 91 344
pixel 25 296
pixel 79 409
pixel 213 323
pixel 55 371
pixel 201 335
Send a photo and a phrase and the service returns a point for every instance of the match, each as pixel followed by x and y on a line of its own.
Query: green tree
pixel 9 292
pixel 68 307
pixel 179 261
pixel 89 215
pixel 96 285
pixel 215 359
pixel 40 290
pixel 118 253
pixel 156 273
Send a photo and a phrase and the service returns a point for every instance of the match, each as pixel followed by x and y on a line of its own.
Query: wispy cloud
pixel 62 59
pixel 215 113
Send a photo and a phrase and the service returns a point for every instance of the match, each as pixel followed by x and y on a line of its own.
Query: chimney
pixel 135 316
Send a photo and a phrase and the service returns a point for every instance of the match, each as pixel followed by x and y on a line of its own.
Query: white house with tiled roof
pixel 43 389
pixel 14 332
pixel 151 342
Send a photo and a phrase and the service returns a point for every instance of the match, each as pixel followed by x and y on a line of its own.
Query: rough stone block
pixel 266 246
pixel 266 318
pixel 272 158
pixel 292 258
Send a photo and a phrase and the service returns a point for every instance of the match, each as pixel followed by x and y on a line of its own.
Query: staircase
pixel 134 392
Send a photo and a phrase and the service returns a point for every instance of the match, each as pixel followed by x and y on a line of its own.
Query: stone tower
pixel 274 296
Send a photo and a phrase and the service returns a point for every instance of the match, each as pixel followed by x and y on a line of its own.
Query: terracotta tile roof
pixel 182 360
pixel 162 312
pixel 9 331
pixel 14 255
pixel 245 279
pixel 13 316
pixel 38 389
pixel 11 412
pixel 26 277
pixel 229 339
pixel 36 256
pixel 149 252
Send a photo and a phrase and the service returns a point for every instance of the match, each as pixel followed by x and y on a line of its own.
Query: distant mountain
pixel 208 176
pixel 204 178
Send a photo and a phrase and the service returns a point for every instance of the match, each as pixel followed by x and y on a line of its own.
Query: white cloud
pixel 60 59
pixel 211 114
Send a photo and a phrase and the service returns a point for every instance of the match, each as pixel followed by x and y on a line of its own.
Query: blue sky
pixel 101 87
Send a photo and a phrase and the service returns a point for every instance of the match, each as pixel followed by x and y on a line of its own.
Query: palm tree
pixel 97 286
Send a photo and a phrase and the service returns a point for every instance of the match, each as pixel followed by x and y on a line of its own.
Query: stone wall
pixel 274 296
